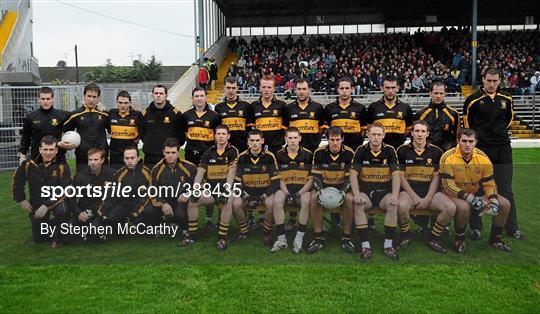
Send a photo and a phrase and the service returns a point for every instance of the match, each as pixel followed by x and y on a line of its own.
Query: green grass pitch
pixel 139 274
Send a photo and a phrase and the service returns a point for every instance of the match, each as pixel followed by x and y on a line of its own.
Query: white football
pixel 72 137
pixel 330 198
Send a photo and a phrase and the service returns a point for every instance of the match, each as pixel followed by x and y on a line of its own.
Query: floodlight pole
pixel 201 33
pixel 76 65
pixel 474 41
pixel 196 55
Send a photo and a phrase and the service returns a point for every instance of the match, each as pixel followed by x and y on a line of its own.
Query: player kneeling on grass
pixel 330 168
pixel 172 178
pixel 467 178
pixel 419 164
pixel 43 172
pixel 213 185
pixel 294 164
pixel 116 209
pixel 257 172
pixel 85 208
pixel 375 182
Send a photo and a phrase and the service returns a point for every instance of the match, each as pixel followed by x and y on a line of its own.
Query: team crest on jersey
pixel 302 165
pixel 429 160
pixel 384 162
pixel 240 113
pixel 54 122
pixel 400 114
pixel 447 127
pixel 275 112
pixel 81 118
pixel 312 115
pixel 99 117
pixel 166 120
pixel 353 114
pixel 54 173
pixel 182 178
pixel 131 121
pixel 503 105
pixel 342 165
pixel 206 123
pixel 263 168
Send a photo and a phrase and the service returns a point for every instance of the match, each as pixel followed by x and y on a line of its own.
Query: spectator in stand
pixel 513 84
pixel 213 71
pixel 417 85
pixel 203 77
pixel 535 82
pixel 407 86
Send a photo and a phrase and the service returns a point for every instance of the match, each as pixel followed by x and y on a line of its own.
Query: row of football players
pixel 369 177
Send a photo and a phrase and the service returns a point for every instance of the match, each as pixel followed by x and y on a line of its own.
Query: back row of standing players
pixel 490 116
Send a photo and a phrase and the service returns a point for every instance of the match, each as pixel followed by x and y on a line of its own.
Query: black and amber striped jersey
pixel 234 115
pixel 164 175
pixel 419 166
pixel 459 177
pixel 294 168
pixel 397 120
pixel 268 118
pixel 91 124
pixel 124 129
pixel 217 163
pixel 257 173
pixel 309 120
pixel 351 119
pixel 200 129
pixel 332 169
pixel 375 169
pixel 490 117
pixel 444 123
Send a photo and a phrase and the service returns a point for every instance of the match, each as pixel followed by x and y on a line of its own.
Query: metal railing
pixel 17 102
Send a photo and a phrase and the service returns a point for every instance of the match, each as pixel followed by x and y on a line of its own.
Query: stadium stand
pixel 416 59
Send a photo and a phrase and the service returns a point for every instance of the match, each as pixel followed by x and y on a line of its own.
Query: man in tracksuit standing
pixel 46 120
pixel 444 121
pixel 161 120
pixel 91 124
pixel 489 111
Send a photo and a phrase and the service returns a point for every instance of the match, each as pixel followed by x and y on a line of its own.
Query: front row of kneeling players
pixel 370 177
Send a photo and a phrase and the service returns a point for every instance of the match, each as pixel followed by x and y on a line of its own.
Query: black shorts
pixel 376 196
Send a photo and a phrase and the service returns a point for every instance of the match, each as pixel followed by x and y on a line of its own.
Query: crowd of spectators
pixel 416 59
